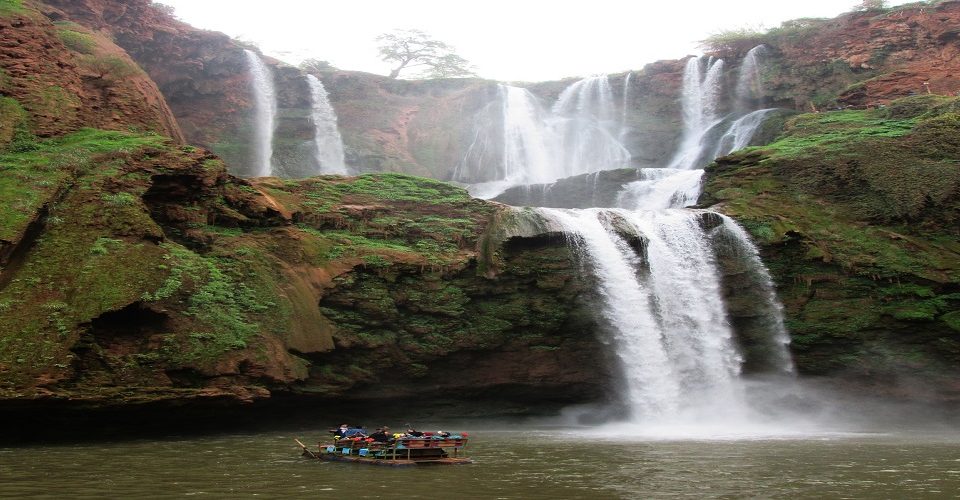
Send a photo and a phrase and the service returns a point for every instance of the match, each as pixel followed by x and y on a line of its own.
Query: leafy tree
pixel 734 42
pixel 416 49
pixel 315 65
pixel 871 5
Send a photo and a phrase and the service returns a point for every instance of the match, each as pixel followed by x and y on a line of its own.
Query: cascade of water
pixel 700 101
pixel 652 386
pixel 512 145
pixel 523 144
pixel 660 188
pixel 741 132
pixel 749 80
pixel 685 282
pixel 527 157
pixel 669 322
pixel 265 113
pixel 326 136
pixel 778 339
pixel 584 119
pixel 623 112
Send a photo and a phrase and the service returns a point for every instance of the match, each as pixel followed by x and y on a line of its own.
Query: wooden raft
pixel 398 453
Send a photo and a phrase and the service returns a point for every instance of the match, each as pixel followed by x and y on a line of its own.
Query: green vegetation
pixel 32 176
pixel 739 40
pixel 858 212
pixel 77 41
pixel 109 68
pixel 5 81
pixel 215 298
pixel 11 7
pixel 429 222
pixel 55 101
pixel 15 132
pixel 831 133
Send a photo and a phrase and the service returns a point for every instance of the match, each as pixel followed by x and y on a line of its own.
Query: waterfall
pixel 265 113
pixel 749 80
pixel 777 339
pixel 584 119
pixel 700 101
pixel 660 188
pixel 512 145
pixel 329 154
pixel 664 307
pixel 741 132
pixel 662 270
pixel 623 112
pixel 516 142
pixel 527 150
pixel 651 383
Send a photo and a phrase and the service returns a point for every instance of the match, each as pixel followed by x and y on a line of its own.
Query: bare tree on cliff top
pixel 414 48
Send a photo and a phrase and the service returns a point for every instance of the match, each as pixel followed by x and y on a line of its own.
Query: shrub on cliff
pixel 108 69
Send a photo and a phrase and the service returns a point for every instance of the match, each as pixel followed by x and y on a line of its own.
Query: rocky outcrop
pixel 66 77
pixel 599 189
pixel 857 215
pixel 154 276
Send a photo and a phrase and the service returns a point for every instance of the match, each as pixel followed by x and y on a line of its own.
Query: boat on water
pixel 400 451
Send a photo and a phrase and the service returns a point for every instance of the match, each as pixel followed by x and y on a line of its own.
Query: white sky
pixel 508 40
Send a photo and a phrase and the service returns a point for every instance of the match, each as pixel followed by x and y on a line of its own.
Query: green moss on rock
pixel 857 213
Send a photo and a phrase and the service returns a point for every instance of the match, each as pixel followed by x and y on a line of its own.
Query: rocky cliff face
pixel 857 213
pixel 64 76
pixel 134 269
pixel 425 127
pixel 149 274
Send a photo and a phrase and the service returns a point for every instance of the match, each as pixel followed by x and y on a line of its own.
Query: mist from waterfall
pixel 517 142
pixel 264 113
pixel 329 145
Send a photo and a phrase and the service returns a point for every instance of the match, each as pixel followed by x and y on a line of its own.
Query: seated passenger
pixel 382 435
pixel 339 432
pixel 413 432
pixel 355 432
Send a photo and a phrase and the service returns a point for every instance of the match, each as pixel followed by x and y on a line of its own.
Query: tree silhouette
pixel 415 49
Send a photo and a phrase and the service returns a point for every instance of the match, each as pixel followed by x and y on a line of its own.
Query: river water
pixel 526 462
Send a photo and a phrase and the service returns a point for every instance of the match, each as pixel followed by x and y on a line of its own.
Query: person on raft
pixel 345 431
pixel 413 432
pixel 382 435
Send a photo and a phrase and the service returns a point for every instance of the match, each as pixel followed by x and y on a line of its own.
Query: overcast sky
pixel 508 40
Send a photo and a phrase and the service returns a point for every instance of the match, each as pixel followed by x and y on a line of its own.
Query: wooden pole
pixel 305 449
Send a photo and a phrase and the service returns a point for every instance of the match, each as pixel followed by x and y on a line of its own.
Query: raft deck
pixel 402 452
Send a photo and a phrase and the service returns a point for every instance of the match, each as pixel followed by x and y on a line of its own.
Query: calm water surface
pixel 515 464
